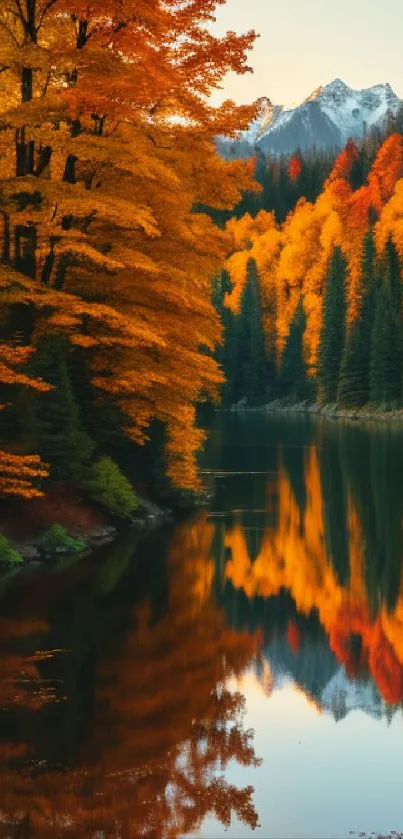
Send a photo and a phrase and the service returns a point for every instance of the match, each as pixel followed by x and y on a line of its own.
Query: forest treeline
pixel 107 329
pixel 311 299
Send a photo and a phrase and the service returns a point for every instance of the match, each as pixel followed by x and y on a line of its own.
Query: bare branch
pixel 46 85
pixel 157 146
pixel 91 33
pixel 21 13
pixel 9 31
pixel 46 9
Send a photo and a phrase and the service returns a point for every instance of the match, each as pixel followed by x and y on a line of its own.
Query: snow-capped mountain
pixel 325 120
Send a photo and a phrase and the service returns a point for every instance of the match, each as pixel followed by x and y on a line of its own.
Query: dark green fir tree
pixel 61 439
pixel 332 335
pixel 252 361
pixel 294 381
pixel 353 389
pixel 387 334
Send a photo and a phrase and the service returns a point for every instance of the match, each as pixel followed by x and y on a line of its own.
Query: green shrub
pixel 56 539
pixel 109 486
pixel 8 556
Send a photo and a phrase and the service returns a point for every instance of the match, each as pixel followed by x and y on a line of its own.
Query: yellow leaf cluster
pixel 292 260
pixel 107 147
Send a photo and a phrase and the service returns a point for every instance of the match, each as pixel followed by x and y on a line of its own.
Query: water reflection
pixel 140 743
pixel 316 559
pixel 123 679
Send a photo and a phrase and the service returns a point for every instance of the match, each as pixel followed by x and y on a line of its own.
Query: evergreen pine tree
pixel 293 375
pixel 387 334
pixel 333 329
pixel 61 440
pixel 252 361
pixel 227 352
pixel 353 389
pixel 394 279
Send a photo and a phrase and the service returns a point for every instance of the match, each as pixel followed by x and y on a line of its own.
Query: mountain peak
pixel 326 119
pixel 337 85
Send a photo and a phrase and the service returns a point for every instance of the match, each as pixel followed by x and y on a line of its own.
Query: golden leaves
pixel 104 201
pixel 292 261
pixel 17 473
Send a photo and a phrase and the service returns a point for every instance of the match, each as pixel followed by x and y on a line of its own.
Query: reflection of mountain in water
pixel 342 695
pixel 311 668
pixel 317 540
pixel 315 670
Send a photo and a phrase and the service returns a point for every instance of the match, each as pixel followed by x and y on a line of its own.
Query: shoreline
pixel 334 411
pixel 98 530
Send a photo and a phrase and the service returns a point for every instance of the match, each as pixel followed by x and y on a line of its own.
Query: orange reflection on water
pixel 293 556
pixel 165 724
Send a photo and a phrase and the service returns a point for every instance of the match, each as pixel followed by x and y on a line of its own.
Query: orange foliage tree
pixel 18 473
pixel 294 168
pixel 293 260
pixel 108 145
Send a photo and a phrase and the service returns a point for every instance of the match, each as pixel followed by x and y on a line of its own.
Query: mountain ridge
pixel 325 120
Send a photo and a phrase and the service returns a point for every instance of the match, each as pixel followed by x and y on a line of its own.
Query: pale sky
pixel 306 43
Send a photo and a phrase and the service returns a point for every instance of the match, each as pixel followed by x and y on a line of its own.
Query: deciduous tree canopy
pixel 107 145
pixel 359 225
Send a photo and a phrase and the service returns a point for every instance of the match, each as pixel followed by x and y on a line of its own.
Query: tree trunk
pixel 6 238
pixel 27 80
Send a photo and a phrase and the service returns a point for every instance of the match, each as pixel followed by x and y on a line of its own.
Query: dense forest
pixel 310 295
pixel 106 321
pixel 117 215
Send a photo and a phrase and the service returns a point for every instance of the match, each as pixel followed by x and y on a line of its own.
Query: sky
pixel 319 778
pixel 307 43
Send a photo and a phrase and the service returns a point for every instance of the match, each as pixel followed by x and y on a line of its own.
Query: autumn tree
pixel 111 137
pixel 20 474
pixel 295 167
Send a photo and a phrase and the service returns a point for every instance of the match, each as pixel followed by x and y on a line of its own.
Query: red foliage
pixel 293 636
pixel 344 162
pixel 62 505
pixel 294 168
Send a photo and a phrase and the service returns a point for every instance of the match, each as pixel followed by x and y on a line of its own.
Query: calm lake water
pixel 242 670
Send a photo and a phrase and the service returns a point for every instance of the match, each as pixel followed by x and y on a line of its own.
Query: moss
pixel 8 556
pixel 56 539
pixel 110 487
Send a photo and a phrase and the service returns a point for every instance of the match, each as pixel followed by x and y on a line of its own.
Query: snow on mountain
pixel 325 119
pixel 342 695
pixel 355 111
pixel 268 114
pixel 316 672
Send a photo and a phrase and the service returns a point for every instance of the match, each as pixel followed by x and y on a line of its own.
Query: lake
pixel 240 671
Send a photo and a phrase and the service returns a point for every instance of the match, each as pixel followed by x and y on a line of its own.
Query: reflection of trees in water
pixel 21 682
pixel 336 548
pixel 162 726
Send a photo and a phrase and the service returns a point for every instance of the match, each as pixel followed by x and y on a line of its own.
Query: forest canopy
pixel 312 303
pixel 107 145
